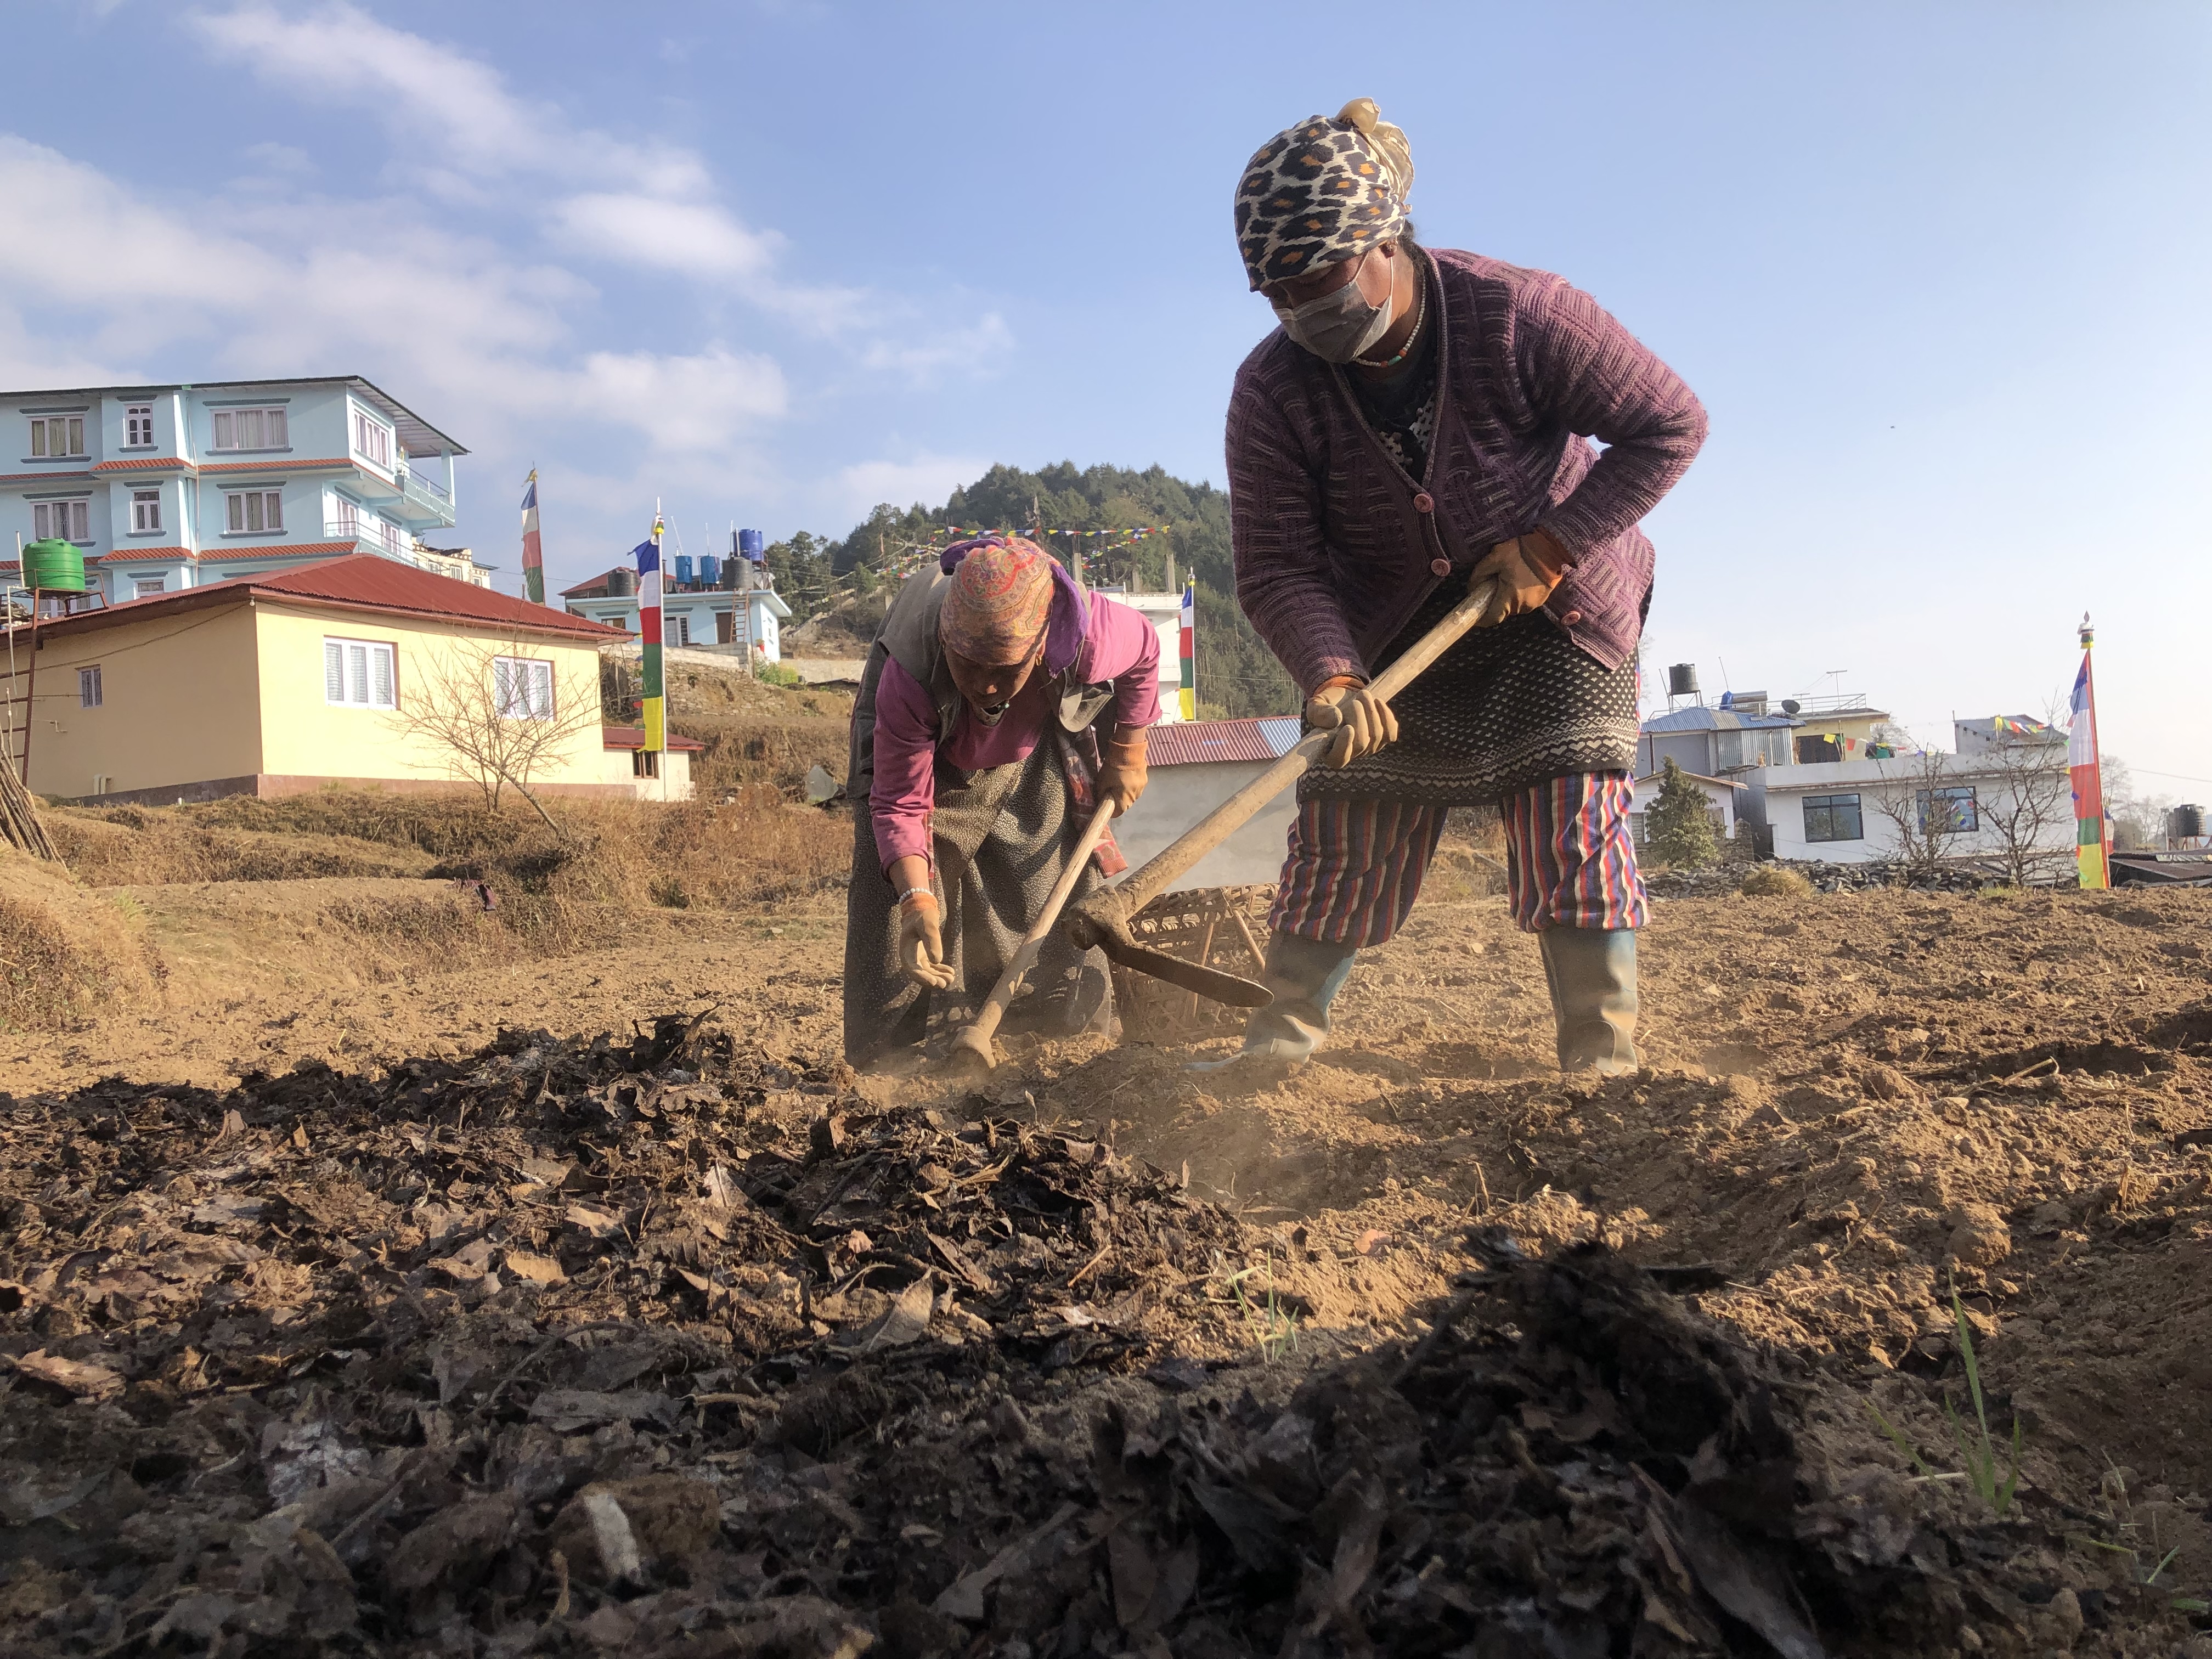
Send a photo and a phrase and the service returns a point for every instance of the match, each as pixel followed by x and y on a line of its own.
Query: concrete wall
pixel 1177 797
pixel 619 770
pixel 305 735
pixel 1786 789
pixel 179 705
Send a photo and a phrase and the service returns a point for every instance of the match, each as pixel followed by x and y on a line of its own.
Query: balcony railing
pixel 371 533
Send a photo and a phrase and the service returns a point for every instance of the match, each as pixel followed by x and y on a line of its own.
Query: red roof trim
pixel 632 737
pixel 1197 743
pixel 135 555
pixel 145 464
pixel 360 582
pixel 277 466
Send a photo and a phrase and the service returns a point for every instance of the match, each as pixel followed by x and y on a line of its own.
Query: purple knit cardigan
pixel 1336 546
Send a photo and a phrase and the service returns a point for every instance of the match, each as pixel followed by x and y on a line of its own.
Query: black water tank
pixel 621 582
pixel 1682 680
pixel 2185 822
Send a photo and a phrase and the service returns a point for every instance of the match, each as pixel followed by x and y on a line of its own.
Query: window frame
pixel 265 413
pixel 1828 805
pixel 372 651
pixel 135 417
pixel 1957 794
pixel 148 587
pixel 233 509
pixel 644 763
pixel 676 631
pixel 146 523
pixel 77 529
pixel 42 448
pixel 380 454
pixel 530 708
pixel 90 691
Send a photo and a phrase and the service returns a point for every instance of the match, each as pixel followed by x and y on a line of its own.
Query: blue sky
pixel 1939 272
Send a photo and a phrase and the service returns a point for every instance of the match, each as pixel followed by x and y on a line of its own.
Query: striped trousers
pixel 1355 866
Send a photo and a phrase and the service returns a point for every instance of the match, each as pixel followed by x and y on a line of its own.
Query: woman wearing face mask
pixel 998 704
pixel 1420 423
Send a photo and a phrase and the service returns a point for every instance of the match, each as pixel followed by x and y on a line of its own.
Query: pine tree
pixel 1678 828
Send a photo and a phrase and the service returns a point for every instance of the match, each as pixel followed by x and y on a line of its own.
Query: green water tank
pixel 55 567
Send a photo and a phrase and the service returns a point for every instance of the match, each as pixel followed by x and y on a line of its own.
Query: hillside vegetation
pixel 1236 674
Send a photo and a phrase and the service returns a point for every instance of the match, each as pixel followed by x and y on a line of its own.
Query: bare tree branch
pixel 497 725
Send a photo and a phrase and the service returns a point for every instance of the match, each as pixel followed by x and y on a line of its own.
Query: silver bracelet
pixel 911 891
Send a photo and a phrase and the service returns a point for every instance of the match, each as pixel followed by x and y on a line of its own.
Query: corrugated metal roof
pixel 1196 743
pixel 361 581
pixel 1718 720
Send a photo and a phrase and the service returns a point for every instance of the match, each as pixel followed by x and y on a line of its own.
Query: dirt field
pixel 1852 1103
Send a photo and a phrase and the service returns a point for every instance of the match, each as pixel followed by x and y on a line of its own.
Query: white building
pixel 1195 766
pixel 1164 612
pixel 697 611
pixel 1842 811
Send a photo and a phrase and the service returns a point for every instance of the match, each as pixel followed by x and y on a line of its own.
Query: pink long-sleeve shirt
pixel 1119 645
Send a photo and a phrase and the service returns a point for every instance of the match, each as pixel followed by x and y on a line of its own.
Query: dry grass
pixel 561 892
pixel 63 951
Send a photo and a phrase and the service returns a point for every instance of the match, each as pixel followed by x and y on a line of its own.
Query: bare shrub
pixel 62 951
pixel 494 721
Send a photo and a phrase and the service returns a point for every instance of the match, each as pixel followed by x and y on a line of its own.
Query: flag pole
pixel 2092 839
pixel 533 555
pixel 654 700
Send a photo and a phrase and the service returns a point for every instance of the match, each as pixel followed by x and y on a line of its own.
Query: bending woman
pixel 998 703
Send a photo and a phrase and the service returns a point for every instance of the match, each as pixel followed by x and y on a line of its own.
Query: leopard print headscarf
pixel 1320 191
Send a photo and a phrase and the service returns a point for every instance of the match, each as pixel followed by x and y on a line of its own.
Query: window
pixel 55 435
pixel 345 518
pixel 147 587
pixel 145 510
pixel 59 521
pixel 87 687
pixel 254 511
pixel 250 429
pixel 372 441
pixel 1947 811
pixel 522 688
pixel 358 673
pixel 138 427
pixel 676 630
pixel 1811 751
pixel 1833 818
pixel 644 763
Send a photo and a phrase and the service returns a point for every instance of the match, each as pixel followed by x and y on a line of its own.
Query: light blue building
pixel 170 487
pixel 696 610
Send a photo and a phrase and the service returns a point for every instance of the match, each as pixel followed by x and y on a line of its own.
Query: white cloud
pixel 694 403
pixel 976 349
pixel 696 238
pixel 859 488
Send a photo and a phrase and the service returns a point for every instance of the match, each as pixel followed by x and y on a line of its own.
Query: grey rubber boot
pixel 1592 972
pixel 1304 974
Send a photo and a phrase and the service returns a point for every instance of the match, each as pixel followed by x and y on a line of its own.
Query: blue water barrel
pixel 684 570
pixel 710 570
pixel 752 545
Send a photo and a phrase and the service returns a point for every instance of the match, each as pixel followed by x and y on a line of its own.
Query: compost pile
pixel 675 1345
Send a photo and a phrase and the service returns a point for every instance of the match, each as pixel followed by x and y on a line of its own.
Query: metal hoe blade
pixel 1229 988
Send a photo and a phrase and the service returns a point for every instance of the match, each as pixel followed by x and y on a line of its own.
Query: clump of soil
pixel 573 1345
pixel 64 950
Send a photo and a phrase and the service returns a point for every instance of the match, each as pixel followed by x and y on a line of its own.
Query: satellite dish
pixel 1789 705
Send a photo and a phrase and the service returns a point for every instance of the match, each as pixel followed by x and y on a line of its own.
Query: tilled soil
pixel 686 1341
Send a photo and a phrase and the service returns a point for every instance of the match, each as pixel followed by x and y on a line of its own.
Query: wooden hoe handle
pixel 1225 820
pixel 979 1032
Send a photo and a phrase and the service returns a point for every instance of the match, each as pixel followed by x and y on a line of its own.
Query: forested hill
pixel 1236 675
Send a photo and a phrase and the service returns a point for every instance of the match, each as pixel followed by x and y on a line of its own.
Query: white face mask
pixel 1338 327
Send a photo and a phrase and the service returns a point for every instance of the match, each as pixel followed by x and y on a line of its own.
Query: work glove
pixel 922 943
pixel 1121 768
pixel 1363 722
pixel 1527 569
